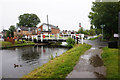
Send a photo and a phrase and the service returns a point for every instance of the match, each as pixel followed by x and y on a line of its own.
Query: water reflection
pixel 26 59
pixel 30 54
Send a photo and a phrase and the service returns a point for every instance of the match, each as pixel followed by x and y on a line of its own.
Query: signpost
pixel 102 26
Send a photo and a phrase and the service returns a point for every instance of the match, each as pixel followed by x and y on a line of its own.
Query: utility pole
pixel 48 23
pixel 102 26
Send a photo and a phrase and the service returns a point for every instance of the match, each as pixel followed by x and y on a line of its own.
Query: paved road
pixel 90 64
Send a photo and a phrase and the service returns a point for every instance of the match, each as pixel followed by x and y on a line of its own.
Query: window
pixel 18 30
pixel 44 29
pixel 39 29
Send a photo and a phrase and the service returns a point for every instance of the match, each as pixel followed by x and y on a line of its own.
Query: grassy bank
pixel 110 59
pixel 6 44
pixel 94 38
pixel 60 66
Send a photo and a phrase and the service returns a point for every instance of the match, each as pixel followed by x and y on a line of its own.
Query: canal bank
pixel 6 45
pixel 60 66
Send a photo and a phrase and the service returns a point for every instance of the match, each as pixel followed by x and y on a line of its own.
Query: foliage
pixel 19 36
pixel 110 59
pixel 95 38
pixel 82 31
pixel 10 32
pixel 91 27
pixel 60 66
pixel 92 32
pixel 28 20
pixel 70 42
pixel 7 34
pixel 51 57
pixel 107 14
pixel 12 29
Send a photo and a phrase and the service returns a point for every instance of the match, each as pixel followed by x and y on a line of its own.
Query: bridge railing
pixel 63 37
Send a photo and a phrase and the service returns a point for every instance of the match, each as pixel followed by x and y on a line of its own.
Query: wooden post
pixel 41 37
pixel 71 35
pixel 63 36
pixel 82 36
pixel 49 36
pixel 58 36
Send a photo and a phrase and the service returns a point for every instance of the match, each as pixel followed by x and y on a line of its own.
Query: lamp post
pixel 102 26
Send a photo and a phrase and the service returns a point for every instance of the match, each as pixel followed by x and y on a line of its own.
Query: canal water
pixel 17 62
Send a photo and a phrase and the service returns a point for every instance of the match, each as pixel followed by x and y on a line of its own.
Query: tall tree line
pixel 105 13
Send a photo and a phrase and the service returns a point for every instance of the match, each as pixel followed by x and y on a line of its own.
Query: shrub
pixel 70 42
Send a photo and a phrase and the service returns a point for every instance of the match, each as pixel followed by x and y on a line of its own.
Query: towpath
pixel 90 64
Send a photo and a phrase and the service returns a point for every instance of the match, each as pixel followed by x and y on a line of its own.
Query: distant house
pixel 25 31
pixel 4 33
pixel 65 32
pixel 43 29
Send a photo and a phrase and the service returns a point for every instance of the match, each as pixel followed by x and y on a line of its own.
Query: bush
pixel 70 42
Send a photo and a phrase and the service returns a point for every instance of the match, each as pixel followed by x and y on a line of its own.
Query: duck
pixel 15 65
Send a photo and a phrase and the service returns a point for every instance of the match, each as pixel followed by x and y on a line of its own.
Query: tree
pixel 11 30
pixel 28 20
pixel 8 33
pixel 82 31
pixel 92 32
pixel 105 13
pixel 91 27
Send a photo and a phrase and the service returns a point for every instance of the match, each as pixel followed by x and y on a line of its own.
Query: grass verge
pixel 6 44
pixel 94 38
pixel 110 59
pixel 60 66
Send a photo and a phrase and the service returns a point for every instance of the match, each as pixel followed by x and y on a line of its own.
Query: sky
pixel 66 14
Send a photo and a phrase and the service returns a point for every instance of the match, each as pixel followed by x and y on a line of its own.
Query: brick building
pixel 44 29
pixel 25 31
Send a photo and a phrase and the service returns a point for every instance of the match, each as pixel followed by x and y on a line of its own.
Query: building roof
pixel 52 26
pixel 27 28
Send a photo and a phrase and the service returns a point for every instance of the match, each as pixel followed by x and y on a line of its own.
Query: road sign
pixel 43 36
pixel 115 35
